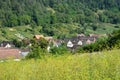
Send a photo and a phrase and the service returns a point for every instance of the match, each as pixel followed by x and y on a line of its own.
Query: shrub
pixel 104 43
pixel 114 40
pixel 100 45
pixel 18 43
pixel 36 53
pixel 59 50
pixel 38 48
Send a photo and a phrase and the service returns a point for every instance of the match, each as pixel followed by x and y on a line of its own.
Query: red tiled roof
pixel 38 36
pixel 9 53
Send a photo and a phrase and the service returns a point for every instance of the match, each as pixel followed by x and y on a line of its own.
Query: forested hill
pixel 20 12
pixel 55 13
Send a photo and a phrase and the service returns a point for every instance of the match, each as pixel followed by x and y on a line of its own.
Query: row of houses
pixel 81 40
pixel 55 42
pixel 8 50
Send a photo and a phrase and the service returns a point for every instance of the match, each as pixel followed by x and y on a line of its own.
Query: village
pixel 9 51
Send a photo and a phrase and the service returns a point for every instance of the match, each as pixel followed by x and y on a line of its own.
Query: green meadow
pixel 89 66
pixel 67 30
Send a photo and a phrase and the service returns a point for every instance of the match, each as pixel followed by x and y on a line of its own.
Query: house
pixel 70 44
pixel 7 44
pixel 48 38
pixel 6 53
pixel 52 42
pixel 82 35
pixel 38 36
pixel 88 41
pixel 24 52
pixel 79 41
pixel 56 42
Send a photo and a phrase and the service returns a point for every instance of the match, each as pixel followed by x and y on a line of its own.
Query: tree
pixel 24 20
pixel 53 19
pixel 12 20
pixel 38 48
pixel 94 26
pixel 17 43
pixel 59 50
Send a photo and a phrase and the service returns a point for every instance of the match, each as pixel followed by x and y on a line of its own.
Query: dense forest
pixel 57 14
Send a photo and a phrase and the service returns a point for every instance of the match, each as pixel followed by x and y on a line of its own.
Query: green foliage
pixel 17 43
pixel 36 53
pixel 21 43
pixel 24 20
pixel 17 13
pixel 43 43
pixel 103 44
pixel 38 49
pixel 114 40
pixel 97 46
pixel 61 19
pixel 59 50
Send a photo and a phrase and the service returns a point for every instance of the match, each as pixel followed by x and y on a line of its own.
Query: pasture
pixel 89 66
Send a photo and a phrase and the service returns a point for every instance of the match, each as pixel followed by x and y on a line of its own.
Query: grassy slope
pixel 27 31
pixel 102 66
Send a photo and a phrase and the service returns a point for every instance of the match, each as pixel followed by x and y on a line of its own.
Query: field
pixel 93 66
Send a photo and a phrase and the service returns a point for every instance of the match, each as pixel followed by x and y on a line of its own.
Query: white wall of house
pixel 48 48
pixel 69 44
pixel 8 46
pixel 80 43
pixel 24 53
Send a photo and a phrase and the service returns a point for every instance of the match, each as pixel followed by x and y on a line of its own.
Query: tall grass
pixel 96 66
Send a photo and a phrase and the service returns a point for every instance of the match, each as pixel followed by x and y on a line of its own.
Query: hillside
pixel 61 18
pixel 95 66
pixel 66 30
